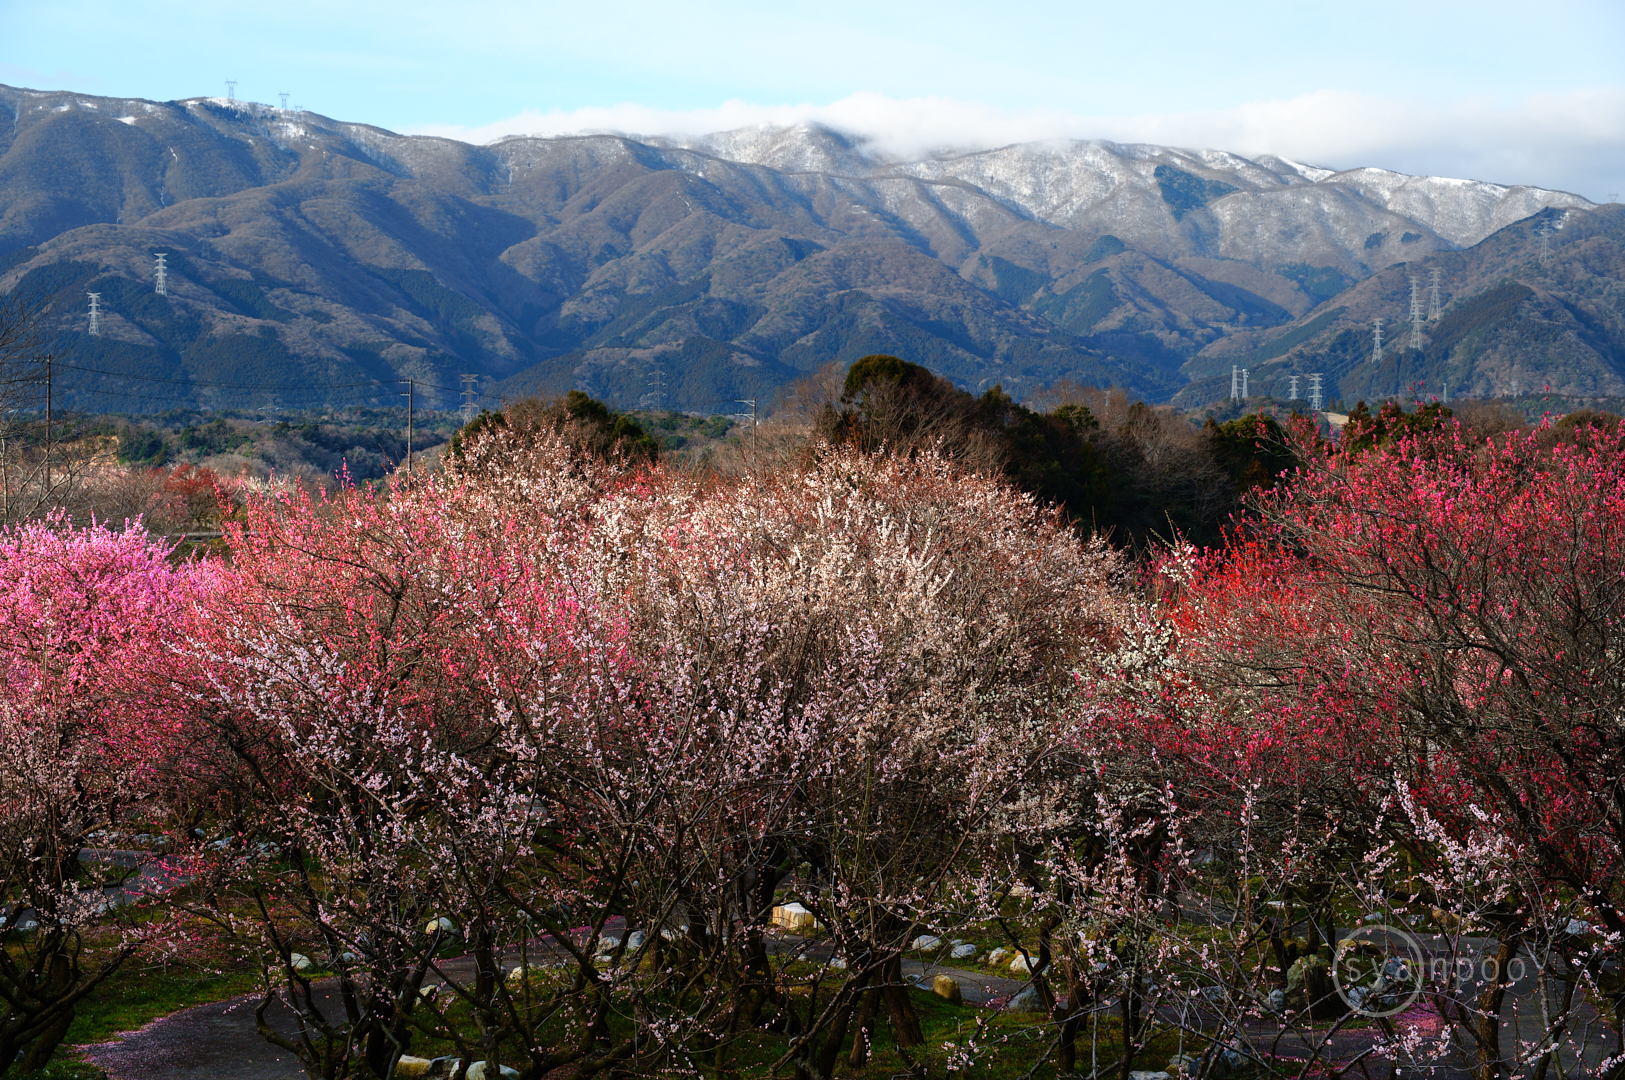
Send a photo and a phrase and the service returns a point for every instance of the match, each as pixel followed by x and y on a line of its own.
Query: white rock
pixel 608 944
pixel 926 943
pixel 964 951
pixel 441 925
pixel 480 1070
pixel 298 961
pixel 1576 927
pixel 996 957
pixel 1147 1074
pixel 409 1066
pixel 1019 964
pixel 636 939
pixel 793 916
pixel 838 964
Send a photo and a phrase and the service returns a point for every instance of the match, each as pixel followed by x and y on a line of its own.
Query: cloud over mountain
pixel 1573 141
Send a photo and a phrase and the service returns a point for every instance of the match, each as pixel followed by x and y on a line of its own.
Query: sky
pixel 1494 90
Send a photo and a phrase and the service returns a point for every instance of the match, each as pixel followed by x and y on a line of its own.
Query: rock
pixel 838 964
pixel 1184 1065
pixel 441 925
pixel 957 941
pixel 608 944
pixel 1146 1074
pixel 1577 927
pixel 947 989
pixel 794 917
pixel 1018 966
pixel 635 939
pixel 671 934
pixel 964 951
pixel 299 961
pixel 480 1070
pixel 428 993
pixel 523 973
pixel 996 957
pixel 1309 985
pixel 926 943
pixel 1027 1001
pixel 1277 1001
pixel 413 1066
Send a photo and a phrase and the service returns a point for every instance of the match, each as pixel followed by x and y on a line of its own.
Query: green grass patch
pixel 138 994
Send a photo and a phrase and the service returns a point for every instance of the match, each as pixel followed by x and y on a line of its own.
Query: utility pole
pixel 752 403
pixel 411 387
pixel 1314 391
pixel 48 444
pixel 1376 341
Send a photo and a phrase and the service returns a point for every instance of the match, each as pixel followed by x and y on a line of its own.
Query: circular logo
pixel 1378 970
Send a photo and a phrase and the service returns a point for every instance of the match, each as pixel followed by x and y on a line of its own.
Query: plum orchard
pixel 521 708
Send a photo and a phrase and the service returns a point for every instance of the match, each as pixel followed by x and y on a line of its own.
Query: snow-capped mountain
pixel 321 252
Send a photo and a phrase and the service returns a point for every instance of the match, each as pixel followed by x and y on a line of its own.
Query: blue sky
pixel 1515 93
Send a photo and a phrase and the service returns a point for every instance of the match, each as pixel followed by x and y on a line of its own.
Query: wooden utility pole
pixel 48 443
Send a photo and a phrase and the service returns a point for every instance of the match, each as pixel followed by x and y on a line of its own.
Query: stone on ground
pixel 948 989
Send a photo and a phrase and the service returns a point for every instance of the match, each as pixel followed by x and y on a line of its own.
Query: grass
pixel 137 994
pixel 133 997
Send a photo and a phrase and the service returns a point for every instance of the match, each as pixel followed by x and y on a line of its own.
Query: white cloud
pixel 1572 141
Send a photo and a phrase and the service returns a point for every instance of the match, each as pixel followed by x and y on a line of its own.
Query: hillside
pixel 313 261
pixel 1539 306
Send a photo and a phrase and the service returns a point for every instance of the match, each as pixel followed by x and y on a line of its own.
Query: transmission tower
pixel 470 396
pixel 656 397
pixel 95 314
pixel 1292 383
pixel 284 95
pixel 231 89
pixel 160 281
pixel 1244 384
pixel 1416 313
pixel 1376 341
pixel 1314 390
pixel 1544 231
pixel 1433 293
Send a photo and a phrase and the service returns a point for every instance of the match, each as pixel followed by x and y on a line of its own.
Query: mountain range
pixel 314 262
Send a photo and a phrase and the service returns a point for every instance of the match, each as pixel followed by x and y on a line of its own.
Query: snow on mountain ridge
pixel 1064 182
